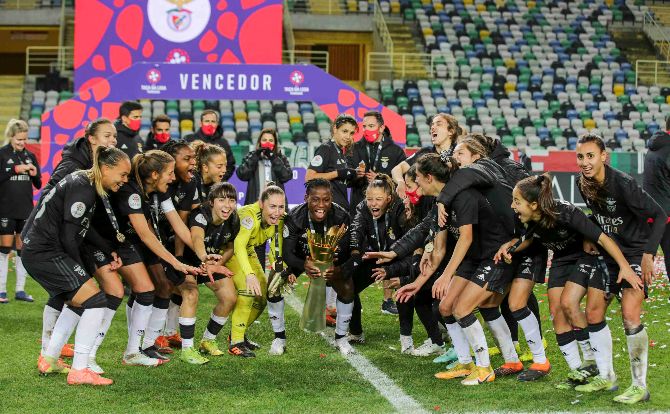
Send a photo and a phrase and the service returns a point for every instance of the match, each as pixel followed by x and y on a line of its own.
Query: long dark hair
pixel 590 187
pixel 537 189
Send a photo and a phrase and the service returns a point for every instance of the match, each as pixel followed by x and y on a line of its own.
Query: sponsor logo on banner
pixel 178 21
pixel 178 56
pixel 153 87
pixel 297 78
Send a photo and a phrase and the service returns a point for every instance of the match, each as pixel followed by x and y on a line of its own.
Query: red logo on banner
pixel 297 78
pixel 153 76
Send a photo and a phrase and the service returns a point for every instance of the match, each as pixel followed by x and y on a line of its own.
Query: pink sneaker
pixel 86 376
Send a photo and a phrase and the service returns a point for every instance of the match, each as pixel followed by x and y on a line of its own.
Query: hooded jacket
pixel 216 139
pixel 514 171
pixel 127 140
pixel 490 178
pixel 76 156
pixel 656 179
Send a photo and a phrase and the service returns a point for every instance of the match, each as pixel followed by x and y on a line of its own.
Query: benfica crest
pixel 179 18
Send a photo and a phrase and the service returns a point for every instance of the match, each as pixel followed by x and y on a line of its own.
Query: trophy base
pixel 314 313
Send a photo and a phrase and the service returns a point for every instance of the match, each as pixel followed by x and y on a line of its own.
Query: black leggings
pixel 423 304
pixel 511 321
pixel 665 246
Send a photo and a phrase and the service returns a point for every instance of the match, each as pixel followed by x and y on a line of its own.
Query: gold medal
pixel 120 237
pixel 429 247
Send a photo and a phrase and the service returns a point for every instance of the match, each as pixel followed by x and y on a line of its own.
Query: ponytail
pixel 537 189
pixel 111 157
pixel 385 182
pixel 204 153
pixel 144 164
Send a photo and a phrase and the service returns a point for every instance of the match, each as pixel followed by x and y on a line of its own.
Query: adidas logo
pixel 241 325
pixel 530 341
pixel 526 271
pixel 11 161
pixel 480 277
pixel 274 318
pixel 593 349
pixel 124 146
pixel 140 332
pixel 480 349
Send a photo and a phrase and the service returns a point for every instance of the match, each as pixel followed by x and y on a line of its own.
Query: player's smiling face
pixel 464 156
pixel 115 177
pixel 377 201
pixel 185 164
pixel 273 209
pixel 19 141
pixel 223 208
pixel 105 136
pixel 591 159
pixel 164 178
pixel 319 202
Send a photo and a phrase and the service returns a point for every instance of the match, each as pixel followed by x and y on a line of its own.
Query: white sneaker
pixel 343 345
pixel 356 339
pixel 428 348
pixel 93 366
pixel 278 346
pixel 139 359
pixel 406 344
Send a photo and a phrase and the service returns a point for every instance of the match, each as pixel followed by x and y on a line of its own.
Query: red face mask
pixel 268 145
pixel 208 129
pixel 370 136
pixel 134 124
pixel 162 138
pixel 413 197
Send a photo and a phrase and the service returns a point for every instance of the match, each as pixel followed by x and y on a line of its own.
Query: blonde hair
pixel 15 126
pixel 111 157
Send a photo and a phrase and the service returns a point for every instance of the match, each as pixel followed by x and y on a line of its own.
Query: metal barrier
pixel 656 31
pixel 382 29
pixel 404 65
pixel 307 57
pixel 651 69
pixel 42 59
pixel 288 27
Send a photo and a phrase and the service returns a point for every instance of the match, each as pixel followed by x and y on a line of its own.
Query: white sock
pixel 570 352
pixel 49 318
pixel 503 337
pixel 460 342
pixel 172 321
pixel 186 340
pixel 344 311
pixel 129 317
pixel 106 322
pixel 475 336
pixel 139 320
pixel 531 331
pixel 64 327
pixel 638 347
pixel 601 343
pixel 219 321
pixel 84 339
pixel 21 274
pixel 155 326
pixel 331 297
pixel 3 272
pixel 276 313
pixel 582 336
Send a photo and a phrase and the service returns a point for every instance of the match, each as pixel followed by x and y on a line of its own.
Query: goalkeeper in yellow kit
pixel 259 222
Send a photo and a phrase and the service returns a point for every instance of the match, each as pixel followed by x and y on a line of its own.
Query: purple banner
pixel 112 35
pixel 204 81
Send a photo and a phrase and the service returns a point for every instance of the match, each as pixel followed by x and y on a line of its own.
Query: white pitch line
pixel 388 389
